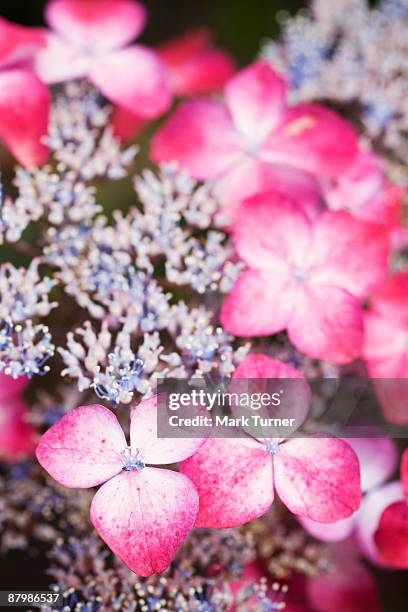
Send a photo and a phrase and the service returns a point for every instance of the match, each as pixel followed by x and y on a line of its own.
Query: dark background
pixel 239 25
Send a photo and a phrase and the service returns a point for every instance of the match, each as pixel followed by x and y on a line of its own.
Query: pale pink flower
pixel 24 100
pixel 244 140
pixel 91 39
pixel 308 276
pixel 143 513
pixel 385 347
pixel 236 477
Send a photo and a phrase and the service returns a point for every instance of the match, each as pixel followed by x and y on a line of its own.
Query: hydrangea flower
pixel 24 100
pixel 385 347
pixel 90 38
pixel 245 140
pixel 143 513
pixel 306 276
pixel 236 477
pixel 391 537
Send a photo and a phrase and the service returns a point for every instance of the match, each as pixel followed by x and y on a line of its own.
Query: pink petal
pixel 24 108
pixel 256 99
pixel 10 387
pixel 200 137
pixel 233 478
pixel 251 177
pixel 59 61
pixel 390 299
pixel 314 139
pixel 145 516
pixel 194 66
pixel 404 473
pixel 391 536
pixel 318 478
pixel 84 448
pixel 264 230
pixel 96 24
pixel 17 436
pixel 18 43
pixel 255 306
pixel 329 532
pixel 350 253
pixel 133 78
pixel 369 515
pixel 327 323
pixel 126 125
pixel 378 459
pixel 143 436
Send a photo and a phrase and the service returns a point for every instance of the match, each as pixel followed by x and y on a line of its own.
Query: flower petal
pixel 329 532
pixel 96 24
pixel 404 473
pixel 24 108
pixel 256 98
pixel 391 536
pixel 10 387
pixel 145 516
pixel 312 138
pixel 327 323
pixel 143 436
pixel 378 459
pixel 17 436
pixel 264 231
pixel 83 448
pixel 350 253
pixel 133 78
pixel 200 137
pixel 18 43
pixel 233 478
pixel 194 66
pixel 59 61
pixel 318 478
pixel 369 515
pixel 126 125
pixel 259 304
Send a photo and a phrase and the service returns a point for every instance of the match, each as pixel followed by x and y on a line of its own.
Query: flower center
pixel 272 447
pixel 299 274
pixel 132 460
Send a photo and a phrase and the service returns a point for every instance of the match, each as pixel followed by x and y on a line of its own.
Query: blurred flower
pixel 17 437
pixel 24 100
pixel 251 134
pixel 91 39
pixel 312 286
pixel 142 513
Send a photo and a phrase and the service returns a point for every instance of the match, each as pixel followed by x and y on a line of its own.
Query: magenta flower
pixel 386 346
pixel 244 141
pixel 391 537
pixel 304 275
pixel 24 100
pixel 17 436
pixel 143 513
pixel 90 39
pixel 236 478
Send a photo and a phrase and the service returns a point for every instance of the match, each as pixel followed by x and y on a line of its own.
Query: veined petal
pixel 143 436
pixel 96 24
pixel 318 478
pixel 256 98
pixel 200 137
pixel 233 478
pixel 133 78
pixel 24 108
pixel 83 448
pixel 145 516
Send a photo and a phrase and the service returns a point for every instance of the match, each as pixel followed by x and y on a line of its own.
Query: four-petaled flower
pixel 143 513
pixel 305 275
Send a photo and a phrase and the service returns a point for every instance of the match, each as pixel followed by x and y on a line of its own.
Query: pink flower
pixel 240 142
pixel 366 193
pixel 11 387
pixel 236 478
pixel 24 100
pixel 378 459
pixel 391 537
pixel 304 275
pixel 91 39
pixel 17 437
pixel 142 513
pixel 193 66
pixel 386 346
